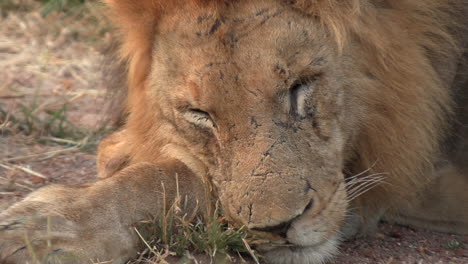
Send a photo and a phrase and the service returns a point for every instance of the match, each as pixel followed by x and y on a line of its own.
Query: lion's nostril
pixel 281 229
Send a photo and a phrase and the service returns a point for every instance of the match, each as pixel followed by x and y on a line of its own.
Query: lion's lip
pixel 272 245
pixel 282 239
pixel 265 245
pixel 281 242
pixel 291 253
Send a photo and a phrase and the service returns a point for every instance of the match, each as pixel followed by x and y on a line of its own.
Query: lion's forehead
pixel 249 30
pixel 249 52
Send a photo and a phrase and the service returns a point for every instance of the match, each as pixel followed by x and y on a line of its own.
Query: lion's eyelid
pixel 298 97
pixel 200 118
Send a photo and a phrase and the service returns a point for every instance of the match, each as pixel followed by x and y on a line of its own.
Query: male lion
pixel 286 111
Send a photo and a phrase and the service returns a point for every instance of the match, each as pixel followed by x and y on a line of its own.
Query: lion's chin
pixel 320 253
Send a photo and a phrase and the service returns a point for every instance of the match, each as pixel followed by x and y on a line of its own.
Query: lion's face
pixel 254 96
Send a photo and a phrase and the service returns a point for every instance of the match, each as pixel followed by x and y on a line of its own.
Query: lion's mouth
pixel 279 232
pixel 278 249
pixel 311 237
pixel 310 228
pixel 270 244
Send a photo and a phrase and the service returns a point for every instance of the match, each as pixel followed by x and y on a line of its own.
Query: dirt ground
pixel 47 64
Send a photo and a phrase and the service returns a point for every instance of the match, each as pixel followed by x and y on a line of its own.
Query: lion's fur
pixel 397 39
pixel 277 109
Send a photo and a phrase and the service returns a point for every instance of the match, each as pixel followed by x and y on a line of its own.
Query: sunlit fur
pixel 362 141
pixel 404 99
pixel 394 76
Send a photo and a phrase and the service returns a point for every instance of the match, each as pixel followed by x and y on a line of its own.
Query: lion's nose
pixel 282 228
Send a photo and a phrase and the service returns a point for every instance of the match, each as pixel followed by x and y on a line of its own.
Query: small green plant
pixel 46 6
pixel 177 233
pixel 7 5
pixel 33 119
pixel 53 122
pixel 48 122
pixel 13 5
pixel 454 244
pixel 50 6
pixel 178 236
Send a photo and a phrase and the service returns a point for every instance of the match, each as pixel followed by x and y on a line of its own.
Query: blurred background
pixel 53 108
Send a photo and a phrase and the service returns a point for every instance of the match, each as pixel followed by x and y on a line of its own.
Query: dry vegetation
pixel 52 104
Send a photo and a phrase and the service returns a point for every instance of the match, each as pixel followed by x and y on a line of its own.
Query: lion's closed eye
pixel 199 118
pixel 300 91
pixel 299 94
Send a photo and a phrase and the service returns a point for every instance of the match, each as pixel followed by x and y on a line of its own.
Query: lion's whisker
pixel 362 187
pixel 364 171
pixel 356 181
pixel 349 180
pixel 372 177
pixel 350 184
pixel 363 184
pixel 367 187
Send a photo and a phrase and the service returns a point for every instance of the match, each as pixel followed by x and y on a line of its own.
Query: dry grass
pixel 49 70
pixel 52 98
pixel 175 235
pixel 182 234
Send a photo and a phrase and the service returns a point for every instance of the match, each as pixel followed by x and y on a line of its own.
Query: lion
pixel 309 120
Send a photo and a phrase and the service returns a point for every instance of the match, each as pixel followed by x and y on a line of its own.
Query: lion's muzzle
pixel 285 191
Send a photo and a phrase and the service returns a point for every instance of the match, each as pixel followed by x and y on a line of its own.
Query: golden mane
pixel 409 103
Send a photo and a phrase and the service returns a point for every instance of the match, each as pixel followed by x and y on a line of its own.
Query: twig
pixel 18 184
pixel 77 96
pixel 7 83
pixel 161 258
pixel 62 140
pixel 27 170
pixel 252 254
pixel 12 96
pixel 24 186
pixel 80 93
pixel 47 155
pixel 7 193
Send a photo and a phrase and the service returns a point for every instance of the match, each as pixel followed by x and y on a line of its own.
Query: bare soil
pixel 56 59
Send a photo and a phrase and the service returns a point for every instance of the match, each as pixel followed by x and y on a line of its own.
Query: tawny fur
pixel 394 38
pixel 284 111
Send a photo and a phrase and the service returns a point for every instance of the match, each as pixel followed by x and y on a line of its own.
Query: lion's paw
pixel 360 226
pixel 37 239
pixel 34 232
